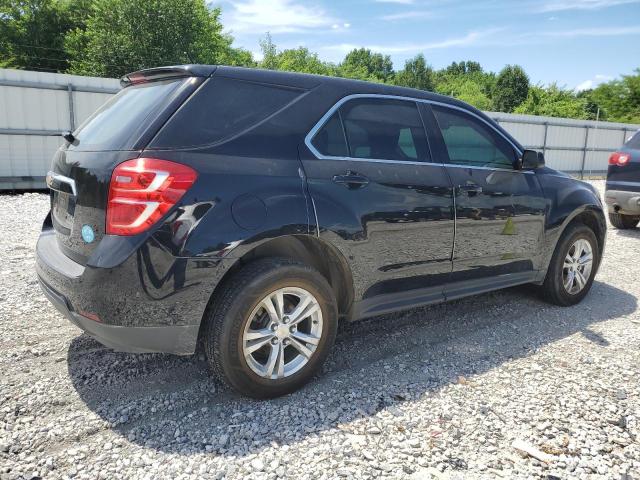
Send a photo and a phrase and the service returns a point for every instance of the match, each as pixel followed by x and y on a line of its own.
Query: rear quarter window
pixel 330 140
pixel 222 108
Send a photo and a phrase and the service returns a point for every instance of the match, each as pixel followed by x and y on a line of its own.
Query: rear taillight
pixel 142 190
pixel 619 158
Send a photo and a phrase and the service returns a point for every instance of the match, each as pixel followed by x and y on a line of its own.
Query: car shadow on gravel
pixel 172 404
pixel 631 233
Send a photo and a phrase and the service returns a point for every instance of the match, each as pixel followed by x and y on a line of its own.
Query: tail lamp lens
pixel 142 190
pixel 619 158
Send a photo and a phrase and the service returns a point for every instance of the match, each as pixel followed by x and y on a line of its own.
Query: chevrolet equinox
pixel 250 210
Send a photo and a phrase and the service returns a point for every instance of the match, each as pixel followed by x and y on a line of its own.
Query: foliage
pixel 467 90
pixel 363 64
pixel 511 88
pixel 415 74
pixel 554 101
pixel 293 60
pixel 463 68
pixel 269 53
pixel 113 37
pixel 619 99
pixel 468 82
pixel 32 32
pixel 122 36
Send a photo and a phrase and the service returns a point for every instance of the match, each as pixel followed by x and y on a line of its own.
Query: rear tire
pixel 253 338
pixel 623 222
pixel 567 281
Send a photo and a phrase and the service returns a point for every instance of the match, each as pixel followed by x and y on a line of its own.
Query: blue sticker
pixel 87 234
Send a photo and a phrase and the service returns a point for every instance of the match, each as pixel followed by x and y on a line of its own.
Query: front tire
pixel 271 327
pixel 623 222
pixel 572 267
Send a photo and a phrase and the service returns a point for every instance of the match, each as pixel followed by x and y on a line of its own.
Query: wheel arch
pixel 307 249
pixel 590 215
pixel 594 219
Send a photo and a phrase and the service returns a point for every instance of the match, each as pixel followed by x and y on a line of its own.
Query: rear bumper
pixel 151 302
pixel 623 202
pixel 180 340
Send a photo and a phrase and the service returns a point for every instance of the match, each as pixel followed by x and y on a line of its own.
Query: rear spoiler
pixel 164 73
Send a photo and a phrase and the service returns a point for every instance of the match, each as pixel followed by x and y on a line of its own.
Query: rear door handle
pixel 351 180
pixel 471 189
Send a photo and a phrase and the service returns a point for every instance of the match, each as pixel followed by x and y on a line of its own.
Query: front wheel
pixel 572 267
pixel 271 327
pixel 623 222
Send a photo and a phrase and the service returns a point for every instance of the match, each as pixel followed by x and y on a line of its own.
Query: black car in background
pixel 622 193
pixel 251 210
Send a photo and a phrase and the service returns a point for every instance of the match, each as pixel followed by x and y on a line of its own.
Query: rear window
pixel 221 109
pixel 634 142
pixel 117 124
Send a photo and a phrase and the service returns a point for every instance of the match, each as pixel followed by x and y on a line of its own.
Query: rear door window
pixel 384 129
pixel 220 109
pixel 117 124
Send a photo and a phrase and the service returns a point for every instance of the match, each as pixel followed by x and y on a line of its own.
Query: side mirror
pixel 532 160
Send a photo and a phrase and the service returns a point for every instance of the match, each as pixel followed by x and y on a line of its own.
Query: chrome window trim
pixel 320 123
pixel 496 169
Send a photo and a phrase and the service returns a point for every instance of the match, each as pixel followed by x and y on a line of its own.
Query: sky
pixel 576 43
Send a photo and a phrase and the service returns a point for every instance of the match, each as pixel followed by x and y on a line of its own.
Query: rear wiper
pixel 68 136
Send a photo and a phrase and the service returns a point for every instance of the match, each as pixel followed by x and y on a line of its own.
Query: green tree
pixel 467 89
pixel 463 68
pixel 511 88
pixel 593 110
pixel 269 53
pixel 620 99
pixel 32 32
pixel 302 60
pixel 122 36
pixel 468 82
pixel 416 74
pixel 553 101
pixel 293 59
pixel 362 63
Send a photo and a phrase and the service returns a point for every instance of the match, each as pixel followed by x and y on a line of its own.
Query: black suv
pixel 251 210
pixel 622 194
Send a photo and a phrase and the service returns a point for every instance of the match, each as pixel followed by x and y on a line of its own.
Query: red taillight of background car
pixel 619 158
pixel 142 190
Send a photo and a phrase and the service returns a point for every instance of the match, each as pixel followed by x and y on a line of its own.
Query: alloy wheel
pixel 577 266
pixel 282 333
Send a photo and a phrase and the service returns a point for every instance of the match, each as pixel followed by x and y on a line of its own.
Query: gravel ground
pixel 445 393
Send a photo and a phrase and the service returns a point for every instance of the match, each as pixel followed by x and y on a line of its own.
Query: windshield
pixel 114 125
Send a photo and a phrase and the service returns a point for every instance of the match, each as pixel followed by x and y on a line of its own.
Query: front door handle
pixel 351 180
pixel 470 189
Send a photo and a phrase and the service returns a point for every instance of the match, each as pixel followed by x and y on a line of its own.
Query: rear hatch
pixel 118 131
pixel 624 166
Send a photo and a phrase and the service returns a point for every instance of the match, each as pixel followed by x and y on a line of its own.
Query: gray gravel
pixel 444 393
